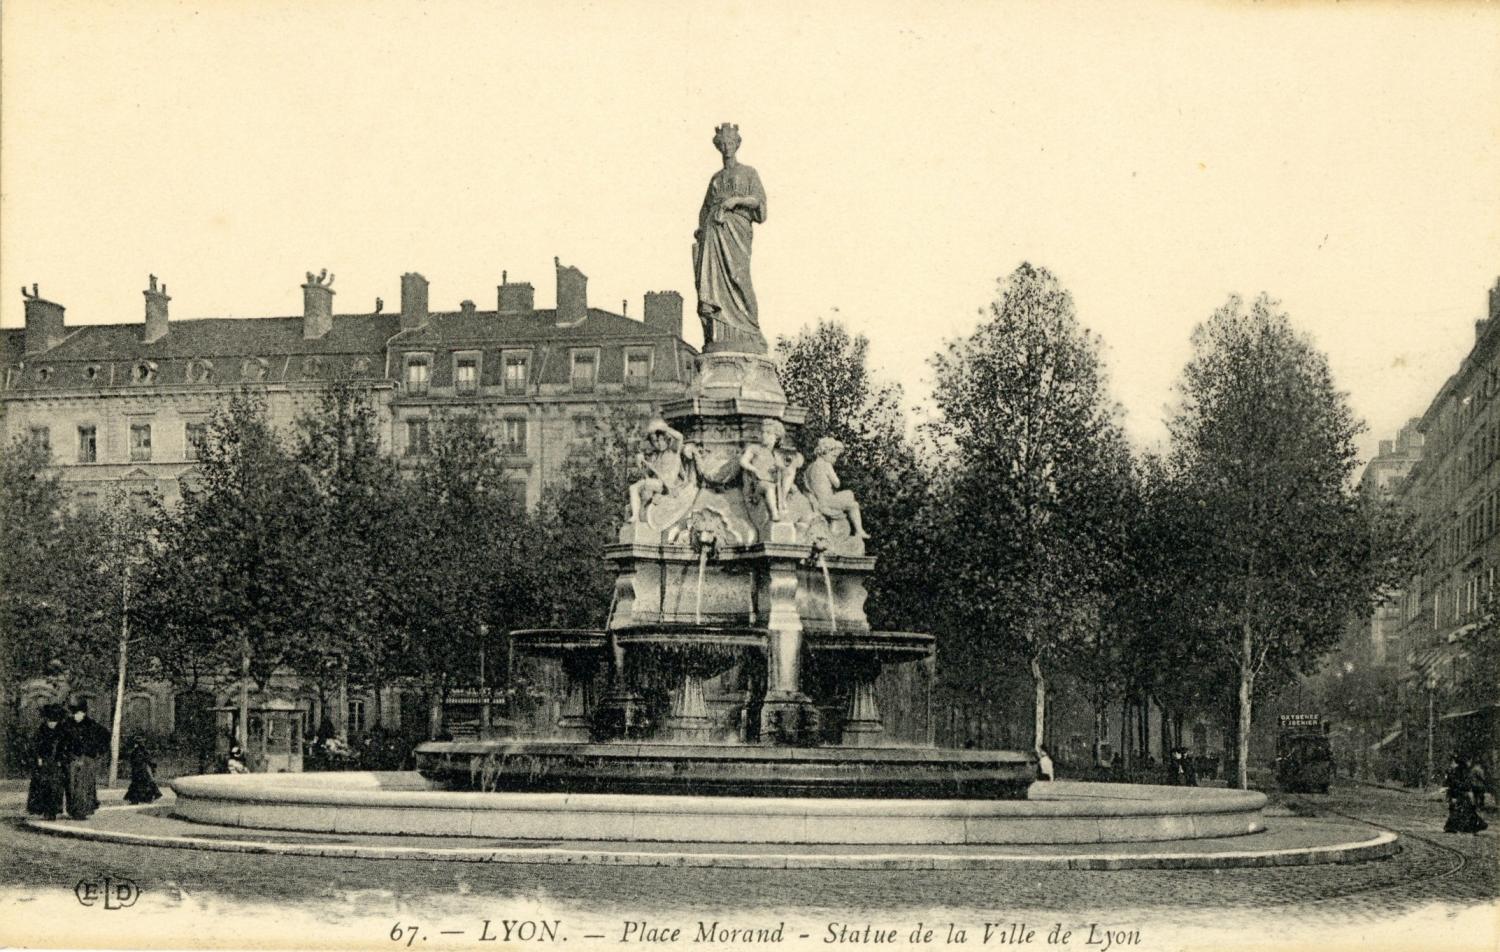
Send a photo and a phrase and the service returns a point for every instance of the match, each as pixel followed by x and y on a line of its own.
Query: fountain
pixel 732 694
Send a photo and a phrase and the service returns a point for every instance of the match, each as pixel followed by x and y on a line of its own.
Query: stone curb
pixel 1378 847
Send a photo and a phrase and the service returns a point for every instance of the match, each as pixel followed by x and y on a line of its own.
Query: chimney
pixel 317 305
pixel 572 294
pixel 664 311
pixel 44 322
pixel 1387 447
pixel 156 312
pixel 1495 299
pixel 519 298
pixel 413 300
pixel 466 308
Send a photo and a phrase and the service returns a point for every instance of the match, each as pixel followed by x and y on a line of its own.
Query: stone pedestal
pixel 689 721
pixel 862 725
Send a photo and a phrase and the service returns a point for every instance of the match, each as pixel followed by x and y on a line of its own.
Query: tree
pixel 1263 451
pixel 232 576
pixel 825 370
pixel 355 488
pixel 32 620
pixel 1036 478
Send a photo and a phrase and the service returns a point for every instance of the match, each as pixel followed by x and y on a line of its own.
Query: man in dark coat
pixel 84 741
pixel 49 771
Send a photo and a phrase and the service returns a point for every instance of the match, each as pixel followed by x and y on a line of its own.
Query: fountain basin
pixel 394 803
pixel 727 770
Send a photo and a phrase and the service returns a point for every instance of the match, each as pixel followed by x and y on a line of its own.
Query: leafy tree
pixel 1263 451
pixel 232 578
pixel 355 491
pixel 582 513
pixel 825 369
pixel 463 559
pixel 1036 479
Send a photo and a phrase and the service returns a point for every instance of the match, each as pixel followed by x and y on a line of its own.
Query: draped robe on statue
pixel 721 260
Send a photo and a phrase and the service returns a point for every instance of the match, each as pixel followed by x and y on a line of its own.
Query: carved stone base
pixel 862 726
pixel 621 715
pixel 789 719
pixel 689 721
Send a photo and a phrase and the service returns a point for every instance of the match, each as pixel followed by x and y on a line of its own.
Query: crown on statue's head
pixel 725 131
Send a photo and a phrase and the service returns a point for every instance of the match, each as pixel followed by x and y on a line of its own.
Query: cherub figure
pixel 663 462
pixel 772 468
pixel 823 486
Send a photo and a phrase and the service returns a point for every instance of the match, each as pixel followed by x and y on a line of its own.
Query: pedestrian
pixel 1479 783
pixel 234 762
pixel 84 741
pixel 1043 763
pixel 1462 817
pixel 1189 770
pixel 49 769
pixel 143 788
pixel 1176 769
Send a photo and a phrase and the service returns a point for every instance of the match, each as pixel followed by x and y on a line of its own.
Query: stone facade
pixel 120 404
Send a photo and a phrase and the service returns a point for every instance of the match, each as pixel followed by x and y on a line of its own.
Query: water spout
pixel 828 590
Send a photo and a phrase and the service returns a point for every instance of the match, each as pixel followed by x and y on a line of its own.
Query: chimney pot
pixel 156 311
pixel 664 311
pixel 413 300
pixel 572 294
pixel 44 322
pixel 317 305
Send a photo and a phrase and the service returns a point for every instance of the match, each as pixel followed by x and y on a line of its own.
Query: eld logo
pixel 111 893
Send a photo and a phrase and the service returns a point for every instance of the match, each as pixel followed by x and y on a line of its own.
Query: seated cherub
pixel 663 463
pixel 822 484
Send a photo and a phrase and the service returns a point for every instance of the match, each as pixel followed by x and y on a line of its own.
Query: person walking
pixel 1462 817
pixel 143 788
pixel 1479 783
pixel 49 769
pixel 84 741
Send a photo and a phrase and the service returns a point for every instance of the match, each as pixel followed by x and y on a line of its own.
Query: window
pixel 416 438
pixel 466 373
pixel 356 722
pixel 140 442
pixel 254 368
pixel 515 436
pixel 418 371
pixel 88 444
pixel 637 369
pixel 199 371
pixel 143 372
pixel 42 436
pixel 193 437
pixel 516 373
pixel 585 370
pixel 584 427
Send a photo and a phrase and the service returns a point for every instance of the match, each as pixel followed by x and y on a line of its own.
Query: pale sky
pixel 1156 157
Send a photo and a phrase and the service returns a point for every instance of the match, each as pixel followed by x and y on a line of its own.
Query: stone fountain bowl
pixel 729 770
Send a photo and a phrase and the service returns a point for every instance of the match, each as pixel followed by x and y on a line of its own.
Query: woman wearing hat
pixel 143 788
pixel 84 741
pixel 48 766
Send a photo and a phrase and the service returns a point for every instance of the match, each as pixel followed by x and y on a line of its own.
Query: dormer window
pixel 254 368
pixel 585 373
pixel 637 368
pixel 418 373
pixel 91 372
pixel 143 372
pixel 44 374
pixel 517 372
pixel 360 366
pixel 466 372
pixel 198 371
pixel 312 367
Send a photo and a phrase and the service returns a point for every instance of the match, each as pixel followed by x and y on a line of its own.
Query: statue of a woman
pixel 721 251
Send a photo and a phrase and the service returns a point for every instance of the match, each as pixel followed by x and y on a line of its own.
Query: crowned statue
pixel 721 251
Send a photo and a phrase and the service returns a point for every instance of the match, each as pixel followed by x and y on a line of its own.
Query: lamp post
pixel 1431 722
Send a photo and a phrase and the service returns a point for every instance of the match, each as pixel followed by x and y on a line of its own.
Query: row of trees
pixel 1020 527
pixel 1016 524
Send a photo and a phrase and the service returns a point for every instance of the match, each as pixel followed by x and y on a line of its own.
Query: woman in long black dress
pixel 49 771
pixel 143 788
pixel 1462 817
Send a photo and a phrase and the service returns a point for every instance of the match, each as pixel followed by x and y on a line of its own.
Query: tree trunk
pixel 1247 682
pixel 1125 731
pixel 341 702
pixel 1166 733
pixel 1039 710
pixel 114 729
pixel 242 732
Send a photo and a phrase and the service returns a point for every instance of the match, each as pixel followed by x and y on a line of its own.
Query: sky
pixel 1156 157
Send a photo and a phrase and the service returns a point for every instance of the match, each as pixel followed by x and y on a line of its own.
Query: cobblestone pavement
pixel 1432 867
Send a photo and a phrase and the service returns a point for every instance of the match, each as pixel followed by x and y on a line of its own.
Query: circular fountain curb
pixel 1339 850
pixel 1065 813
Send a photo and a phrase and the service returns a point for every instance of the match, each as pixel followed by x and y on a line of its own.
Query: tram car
pixel 1304 757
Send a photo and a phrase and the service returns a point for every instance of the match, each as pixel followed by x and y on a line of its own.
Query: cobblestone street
pixel 1432 867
